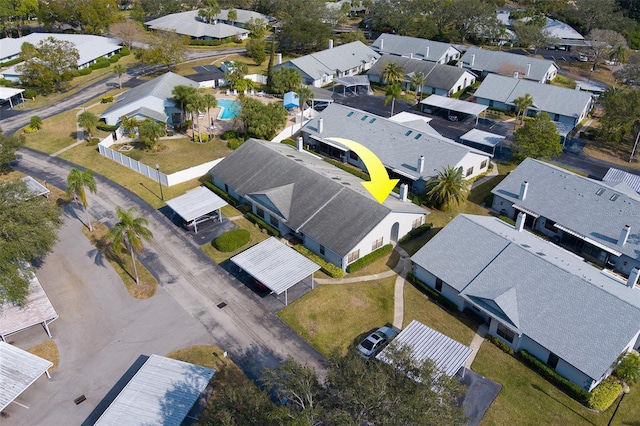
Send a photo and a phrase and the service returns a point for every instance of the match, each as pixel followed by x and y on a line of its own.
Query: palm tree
pixel 628 368
pixel 522 104
pixel 447 186
pixel 619 53
pixel 209 101
pixel 129 124
pixel 304 94
pixel 194 105
pixel 392 73
pixel 418 80
pixel 77 181
pixel 129 232
pixel 149 132
pixel 210 11
pixel 232 15
pixel 393 92
pixel 35 122
pixel 119 69
pixel 181 94
pixel 87 121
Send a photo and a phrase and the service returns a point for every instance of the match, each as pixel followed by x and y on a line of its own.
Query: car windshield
pixel 367 344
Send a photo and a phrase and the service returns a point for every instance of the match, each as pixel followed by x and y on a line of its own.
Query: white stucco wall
pixel 150 102
pixel 474 160
pixel 447 291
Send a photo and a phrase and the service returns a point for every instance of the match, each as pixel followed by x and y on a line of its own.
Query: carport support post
pixel 46 328
pixel 286 298
pixel 312 280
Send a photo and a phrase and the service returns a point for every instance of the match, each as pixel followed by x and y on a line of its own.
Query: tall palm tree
pixel 193 106
pixel 523 103
pixel 304 95
pixel 418 80
pixel 393 92
pixel 446 187
pixel 129 124
pixel 87 121
pixel 77 181
pixel 232 15
pixel 209 101
pixel 392 73
pixel 129 232
pixel 181 94
pixel 119 69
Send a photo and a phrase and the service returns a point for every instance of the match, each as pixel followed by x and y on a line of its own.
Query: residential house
pixel 617 178
pixel 302 196
pixel 596 220
pixel 416 48
pixel 411 150
pixel 321 68
pixel 90 48
pixel 560 34
pixel 566 106
pixel 484 62
pixel 443 80
pixel 534 295
pixel 152 99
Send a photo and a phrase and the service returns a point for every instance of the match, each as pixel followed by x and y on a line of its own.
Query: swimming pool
pixel 230 109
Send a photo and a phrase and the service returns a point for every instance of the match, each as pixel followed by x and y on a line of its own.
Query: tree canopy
pixel 93 16
pixel 447 187
pixel 28 228
pixel 260 120
pixel 302 29
pixel 9 145
pixel 48 66
pixel 286 79
pixel 621 119
pixel 538 138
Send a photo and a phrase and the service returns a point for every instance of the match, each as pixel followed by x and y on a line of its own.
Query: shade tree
pixel 538 138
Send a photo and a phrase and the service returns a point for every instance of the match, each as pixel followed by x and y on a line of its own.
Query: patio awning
pixel 196 203
pixel 589 240
pixel 19 370
pixel 454 105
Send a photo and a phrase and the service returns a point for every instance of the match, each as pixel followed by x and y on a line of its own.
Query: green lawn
pixel 334 316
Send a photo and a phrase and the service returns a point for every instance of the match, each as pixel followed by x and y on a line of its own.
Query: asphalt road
pixel 108 332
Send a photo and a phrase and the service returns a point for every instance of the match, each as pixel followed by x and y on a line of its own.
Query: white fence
pixel 149 171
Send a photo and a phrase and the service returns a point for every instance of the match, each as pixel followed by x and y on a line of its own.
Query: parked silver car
pixel 375 342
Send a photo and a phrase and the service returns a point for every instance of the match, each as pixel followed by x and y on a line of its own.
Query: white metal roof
pixel 446 354
pixel 162 392
pixel 354 80
pixel 454 104
pixel 482 138
pixel 275 265
pixel 196 203
pixel 9 92
pixel 36 310
pixel 18 370
pixel 35 187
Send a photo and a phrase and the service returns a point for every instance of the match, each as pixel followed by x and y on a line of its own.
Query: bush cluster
pixel 431 293
pixel 416 232
pixel 604 394
pixel 210 42
pixel 106 100
pixel 228 134
pixel 7 83
pixel 28 130
pixel 100 63
pixel 85 71
pixel 203 137
pixel 106 127
pixel 30 93
pixel 235 143
pixel 570 388
pixel 232 240
pixel 262 224
pixel 220 193
pixel 500 344
pixel 115 58
pixel 370 258
pixel 349 169
pixel 124 52
pixel 11 62
pixel 325 266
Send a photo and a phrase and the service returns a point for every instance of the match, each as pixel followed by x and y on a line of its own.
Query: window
pixel 226 188
pixel 505 333
pixel 416 223
pixel 469 171
pixel 353 156
pixel 321 249
pixel 483 164
pixel 433 90
pixel 353 256
pixel 490 104
pixel 556 117
pixel 260 212
pixel 550 225
pixel 438 284
pixel 552 361
pixel 377 244
pixel 274 221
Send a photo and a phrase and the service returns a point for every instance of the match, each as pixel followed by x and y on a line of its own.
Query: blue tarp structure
pixel 291 100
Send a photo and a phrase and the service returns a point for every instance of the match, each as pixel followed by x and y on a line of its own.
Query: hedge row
pixel 370 258
pixel 570 388
pixel 85 71
pixel 30 93
pixel 349 169
pixel 431 293
pixel 232 240
pixel 106 127
pixel 416 232
pixel 325 266
pixel 100 63
pixel 262 224
pixel 11 62
pixel 500 344
pixel 219 192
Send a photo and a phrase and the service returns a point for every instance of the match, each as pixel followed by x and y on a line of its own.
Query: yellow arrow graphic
pixel 380 185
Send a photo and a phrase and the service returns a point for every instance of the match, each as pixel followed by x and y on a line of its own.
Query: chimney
pixel 515 74
pixel 330 43
pixel 427 55
pixel 421 164
pixel 279 58
pixel 404 189
pixel 320 125
pixel 460 64
pixel 577 86
pixel 633 277
pixel 300 145
pixel 624 235
pixel 520 221
pixel 410 55
pixel 528 69
pixel 473 59
pixel 523 190
pixel 381 44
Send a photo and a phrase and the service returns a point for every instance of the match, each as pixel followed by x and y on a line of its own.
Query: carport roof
pixel 356 80
pixel 196 203
pixel 446 354
pixel 18 370
pixel 454 104
pixel 8 92
pixel 275 265
pixel 34 186
pixel 482 138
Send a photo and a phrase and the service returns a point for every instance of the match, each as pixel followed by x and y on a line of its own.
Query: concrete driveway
pixel 106 330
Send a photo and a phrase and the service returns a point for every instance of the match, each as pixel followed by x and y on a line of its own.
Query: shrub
pixel 28 130
pixel 85 71
pixel 219 192
pixel 11 62
pixel 106 127
pixel 115 58
pixel 203 137
pixel 100 63
pixel 93 142
pixel 370 258
pixel 500 344
pixel 235 143
pixel 106 100
pixel 232 240
pixel 30 93
pixel 570 388
pixel 349 169
pixel 431 293
pixel 604 394
pixel 628 369
pixel 416 232
pixel 325 266
pixel 262 224
pixel 290 142
pixel 124 52
pixel 228 134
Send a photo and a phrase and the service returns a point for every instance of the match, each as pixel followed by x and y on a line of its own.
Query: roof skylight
pixel 614 197
pixel 364 117
pixel 408 132
pixel 350 114
pixel 600 191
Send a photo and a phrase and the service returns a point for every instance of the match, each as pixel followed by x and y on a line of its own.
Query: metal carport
pixel 197 205
pixel 36 187
pixel 484 141
pixel 452 104
pixel 6 93
pixel 353 81
pixel 447 355
pixel 275 265
pixel 18 370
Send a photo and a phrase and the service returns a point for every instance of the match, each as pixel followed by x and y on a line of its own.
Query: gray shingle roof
pixel 543 291
pixel 506 63
pixel 188 23
pixel 546 97
pixel 390 141
pixel 405 46
pixel 572 201
pixel 329 212
pixel 340 58
pixel 437 75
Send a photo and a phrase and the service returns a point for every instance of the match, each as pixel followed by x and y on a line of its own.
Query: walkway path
pixel 477 341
